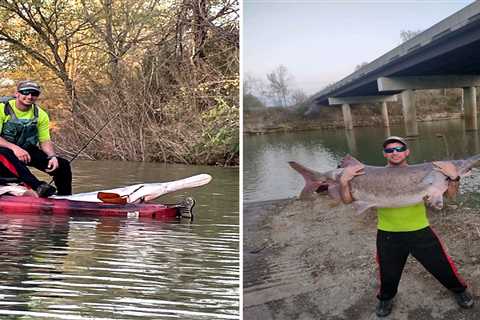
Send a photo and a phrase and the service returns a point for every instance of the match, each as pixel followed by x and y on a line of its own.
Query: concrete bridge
pixel 447 55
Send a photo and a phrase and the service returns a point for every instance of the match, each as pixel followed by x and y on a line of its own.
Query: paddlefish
pixel 385 187
pixel 137 193
pixel 144 192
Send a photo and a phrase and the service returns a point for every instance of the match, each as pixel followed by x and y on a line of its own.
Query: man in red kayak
pixel 25 140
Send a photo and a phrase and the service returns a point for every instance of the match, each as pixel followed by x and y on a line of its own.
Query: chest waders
pixel 22 132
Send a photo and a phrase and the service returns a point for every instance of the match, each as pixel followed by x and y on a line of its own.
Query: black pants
pixel 393 249
pixel 62 176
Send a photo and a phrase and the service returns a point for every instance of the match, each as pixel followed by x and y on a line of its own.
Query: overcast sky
pixel 321 42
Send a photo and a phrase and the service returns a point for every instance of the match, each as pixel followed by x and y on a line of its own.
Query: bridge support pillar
pixel 386 122
pixel 409 113
pixel 470 108
pixel 347 116
pixel 351 142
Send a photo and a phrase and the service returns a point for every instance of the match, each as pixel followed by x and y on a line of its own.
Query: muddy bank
pixel 266 123
pixel 314 260
pixel 431 105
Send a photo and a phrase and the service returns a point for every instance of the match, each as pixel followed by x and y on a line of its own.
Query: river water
pixel 267 175
pixel 58 267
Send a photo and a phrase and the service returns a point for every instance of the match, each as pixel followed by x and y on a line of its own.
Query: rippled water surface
pixel 267 175
pixel 74 267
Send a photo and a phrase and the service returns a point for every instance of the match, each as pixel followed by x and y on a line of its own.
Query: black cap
pixel 394 139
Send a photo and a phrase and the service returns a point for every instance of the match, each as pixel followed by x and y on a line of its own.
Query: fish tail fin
pixel 312 181
pixel 474 159
pixel 468 164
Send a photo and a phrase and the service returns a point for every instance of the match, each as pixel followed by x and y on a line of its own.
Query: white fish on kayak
pixel 142 192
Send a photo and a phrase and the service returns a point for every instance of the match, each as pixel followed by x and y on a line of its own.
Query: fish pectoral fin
pixel 361 206
pixel 434 197
pixel 434 200
pixel 310 189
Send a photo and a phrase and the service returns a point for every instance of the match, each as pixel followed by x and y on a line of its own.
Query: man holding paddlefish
pixel 403 226
pixel 25 140
pixel 405 230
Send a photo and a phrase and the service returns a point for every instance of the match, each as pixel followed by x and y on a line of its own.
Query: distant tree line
pixel 277 89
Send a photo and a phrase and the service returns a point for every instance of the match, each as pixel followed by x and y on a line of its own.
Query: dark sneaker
pixel 45 190
pixel 384 307
pixel 464 299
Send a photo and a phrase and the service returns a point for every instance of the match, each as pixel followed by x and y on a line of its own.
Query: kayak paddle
pixel 115 198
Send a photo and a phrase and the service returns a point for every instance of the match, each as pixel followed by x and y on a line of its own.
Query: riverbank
pixel 314 260
pixel 432 105
pixel 271 122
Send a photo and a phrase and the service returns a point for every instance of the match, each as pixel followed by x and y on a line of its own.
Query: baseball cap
pixel 28 85
pixel 394 139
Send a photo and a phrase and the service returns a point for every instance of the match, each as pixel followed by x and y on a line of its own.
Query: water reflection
pixel 86 267
pixel 116 268
pixel 388 132
pixel 351 142
pixel 267 175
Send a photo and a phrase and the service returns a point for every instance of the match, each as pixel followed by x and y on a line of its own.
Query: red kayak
pixel 32 205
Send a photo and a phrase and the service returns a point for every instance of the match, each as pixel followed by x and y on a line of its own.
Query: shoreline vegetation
pixel 432 105
pixel 166 72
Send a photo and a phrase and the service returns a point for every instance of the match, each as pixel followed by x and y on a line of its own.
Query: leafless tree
pixel 360 66
pixel 298 96
pixel 406 35
pixel 47 34
pixel 279 84
pixel 120 26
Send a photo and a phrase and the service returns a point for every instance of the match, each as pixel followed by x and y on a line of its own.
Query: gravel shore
pixel 316 260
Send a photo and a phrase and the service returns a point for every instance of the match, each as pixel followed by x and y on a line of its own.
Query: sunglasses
pixel 34 93
pixel 398 149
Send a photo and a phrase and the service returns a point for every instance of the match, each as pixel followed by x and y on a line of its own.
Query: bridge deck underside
pixel 459 55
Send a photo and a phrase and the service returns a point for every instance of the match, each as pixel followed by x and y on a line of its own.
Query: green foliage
pixel 220 137
pixel 301 108
pixel 252 103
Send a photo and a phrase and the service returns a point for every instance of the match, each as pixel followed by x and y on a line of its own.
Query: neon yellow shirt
pixel 43 120
pixel 409 218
